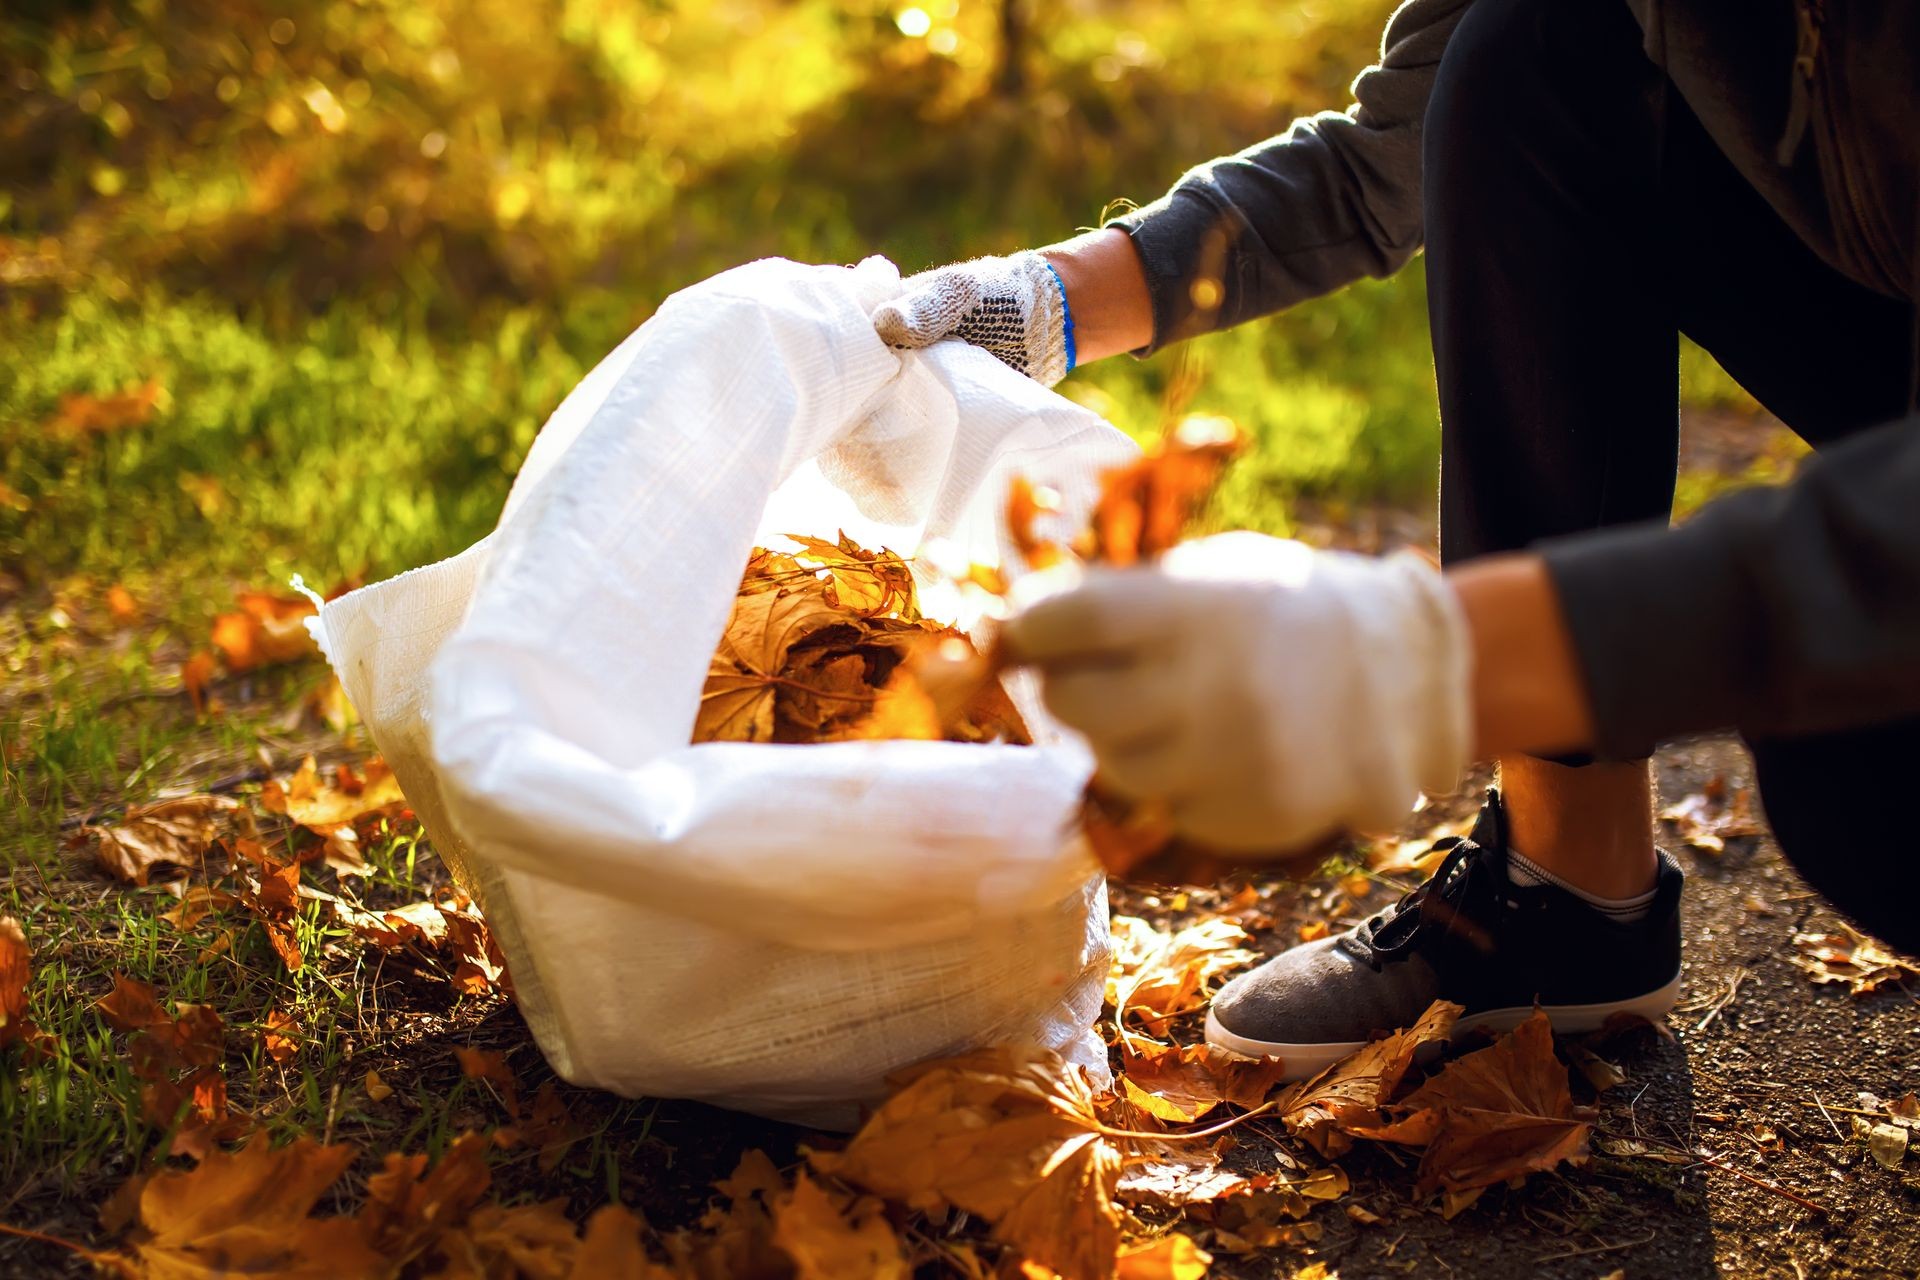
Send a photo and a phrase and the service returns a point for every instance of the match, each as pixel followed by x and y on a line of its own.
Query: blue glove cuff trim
pixel 1066 314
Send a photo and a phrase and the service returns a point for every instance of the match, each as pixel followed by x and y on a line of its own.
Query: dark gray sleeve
pixel 1334 198
pixel 1776 612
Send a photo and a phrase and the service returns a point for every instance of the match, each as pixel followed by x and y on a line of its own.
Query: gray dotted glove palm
pixel 1013 307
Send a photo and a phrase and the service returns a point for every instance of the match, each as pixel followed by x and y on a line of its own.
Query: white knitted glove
pixel 1271 694
pixel 1014 307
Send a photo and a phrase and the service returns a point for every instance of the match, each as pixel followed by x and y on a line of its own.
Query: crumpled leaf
pixel 836 1237
pixel 827 644
pixel 281 1036
pixel 1008 1135
pixel 1179 1084
pixel 1494 1114
pixel 1854 959
pixel 177 832
pixel 247 1213
pixel 265 630
pixel 1146 506
pixel 1710 817
pixel 1155 975
pixel 1328 1109
pixel 324 805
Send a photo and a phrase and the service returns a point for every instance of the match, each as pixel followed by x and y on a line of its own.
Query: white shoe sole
pixel 1304 1060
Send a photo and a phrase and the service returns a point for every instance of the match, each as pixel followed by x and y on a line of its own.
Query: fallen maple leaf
pixel 1180 1084
pixel 612 1249
pixel 408 1205
pixel 176 832
pixel 835 1236
pixel 247 1213
pixel 735 1241
pixel 1329 1108
pixel 1008 1135
pixel 1494 1114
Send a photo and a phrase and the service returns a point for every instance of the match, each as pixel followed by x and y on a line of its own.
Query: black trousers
pixel 1578 218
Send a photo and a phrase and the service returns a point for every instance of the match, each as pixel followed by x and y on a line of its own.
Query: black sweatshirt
pixel 1776 612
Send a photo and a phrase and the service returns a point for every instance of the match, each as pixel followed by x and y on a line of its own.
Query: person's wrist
pixel 1528 692
pixel 1105 287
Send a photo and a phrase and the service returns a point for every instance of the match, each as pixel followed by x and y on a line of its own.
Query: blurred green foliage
pixel 365 245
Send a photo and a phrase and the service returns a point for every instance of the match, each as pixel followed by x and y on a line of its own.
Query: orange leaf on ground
pixel 1008 1135
pixel 735 1242
pixel 535 1241
pixel 833 1236
pixel 1179 1084
pixel 1326 1109
pixel 195 674
pixel 408 1205
pixel 176 832
pixel 491 1065
pixel 281 1036
pixel 16 971
pixel 121 605
pixel 1156 975
pixel 247 1213
pixel 612 1249
pixel 1171 1257
pixel 131 1005
pixel 1854 959
pixel 1494 1114
pixel 83 414
pixel 323 806
pixel 266 629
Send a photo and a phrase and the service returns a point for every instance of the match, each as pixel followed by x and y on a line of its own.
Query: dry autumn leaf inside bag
pixel 799 877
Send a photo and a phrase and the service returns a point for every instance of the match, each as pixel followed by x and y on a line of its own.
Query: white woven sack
pixel 772 928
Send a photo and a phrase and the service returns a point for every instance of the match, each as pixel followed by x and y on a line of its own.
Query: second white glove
pixel 1271 694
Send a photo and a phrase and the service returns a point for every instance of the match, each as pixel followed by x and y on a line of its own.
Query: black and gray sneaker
pixel 1468 935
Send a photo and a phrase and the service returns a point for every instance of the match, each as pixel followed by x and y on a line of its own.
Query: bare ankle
pixel 1591 827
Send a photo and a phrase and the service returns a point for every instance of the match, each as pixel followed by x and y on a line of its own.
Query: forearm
pixel 1106 293
pixel 1528 692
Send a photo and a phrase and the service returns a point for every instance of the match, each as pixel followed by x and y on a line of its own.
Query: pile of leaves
pixel 823 645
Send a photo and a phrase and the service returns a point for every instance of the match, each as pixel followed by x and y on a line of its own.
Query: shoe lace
pixel 1394 932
